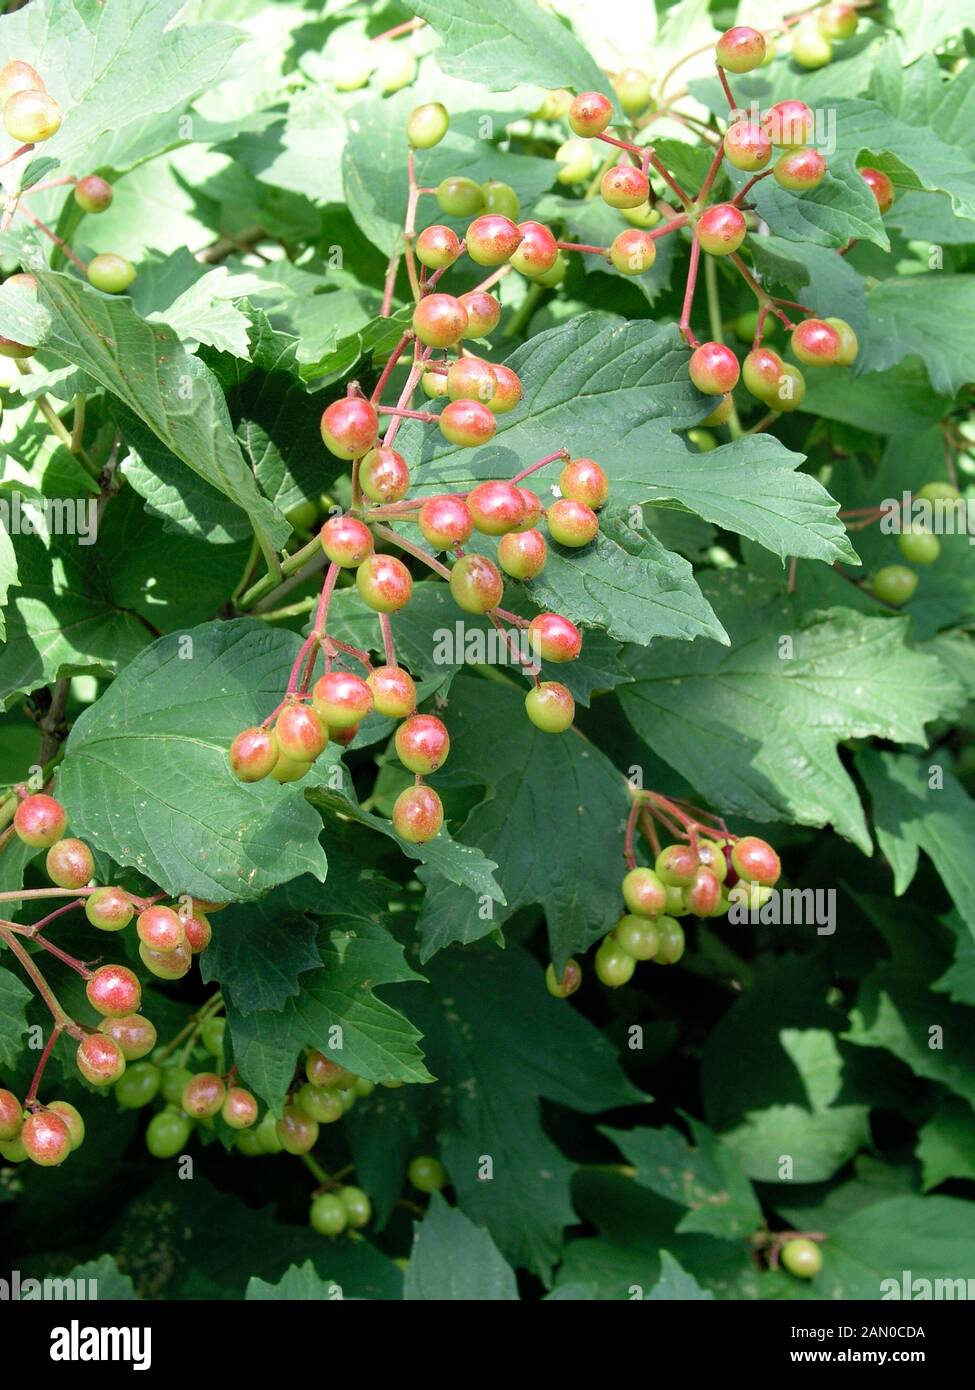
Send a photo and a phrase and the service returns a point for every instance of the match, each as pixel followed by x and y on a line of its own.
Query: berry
pixel 167 1133
pixel 198 931
pixel 880 186
pixel 799 170
pixel 637 936
pixel 13 1150
pixel 287 770
pixel 714 369
pixel 810 47
pixel 624 186
pixel 644 892
pixel 349 427
pixel 849 347
pixel 427 125
pixel 72 1118
pixel 341 699
pixel 483 313
pixel 440 320
pixel 522 554
pixel 501 197
pixel 677 865
pixel 802 1257
pixel 703 893
pixel 492 238
pixel 747 146
pixel 476 584
pixel 816 344
pixel 46 1138
pixel 495 507
pixel 322 1071
pixel 471 379
pixel 837 21
pixel 166 965
pixel 422 743
pixel 533 509
pixel 174 1081
pixel 357 1205
pixel 135 1035
pixel 434 384
pixel 384 584
pixel 574 158
pixel 554 105
pixel 536 252
pixel 614 966
pixel 110 273
pixel 550 707
pixel 740 49
pixel 939 492
pixel 393 691
pixel 582 480
pixel 761 372
pixel 301 733
pixel 239 1109
pixel 460 197
pixel 396 68
pixel 791 390
pixel 590 114
pixel 160 929
pixel 328 1214
pixel 69 864
pixel 568 984
pixel 253 754
pixel 40 821
pixel 720 229
pixel 11 1116
pixel 507 390
pixel 109 909
pixel 354 70
pixel 555 274
pixel 325 1107
pixel 644 216
pixel 31 116
pixel 554 638
pixel 712 856
pixel 633 252
pixel 203 1095
pixel 427 1174
pixel 114 991
pixel 417 815
pixel 437 247
pixel 670 941
pixel 466 423
pixel 100 1059
pixel 634 89
pixel 755 861
pixel 895 584
pixel 93 194
pixel 790 124
pixel 246 1142
pixel 445 522
pixel 138 1086
pixel 18 76
pixel 571 523
pixel 919 546
pixel 212 1035
pixel 346 541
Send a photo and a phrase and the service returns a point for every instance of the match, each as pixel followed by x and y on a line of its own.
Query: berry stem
pixel 390 367
pixel 534 467
pixel 78 966
pixel 389 646
pixel 511 618
pixel 48 183
pixel 430 281
pixel 389 285
pixel 398 30
pixel 723 79
pixel 712 174
pixel 37 927
pixel 740 196
pixel 389 534
pixel 356 652
pixel 31 1097
pixel 24 149
pixel 308 645
pixel 685 313
pixel 757 290
pixel 582 247
pixel 409 386
pixel 492 279
pixel 41 985
pixel 288 566
pixel 58 241
pixel 628 851
pixel 426 417
pixel 530 667
pixel 649 831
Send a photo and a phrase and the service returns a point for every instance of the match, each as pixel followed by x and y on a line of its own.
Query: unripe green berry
pixel 427 1174
pixel 427 125
pixel 459 197
pixel 895 584
pixel 110 273
pixel 802 1257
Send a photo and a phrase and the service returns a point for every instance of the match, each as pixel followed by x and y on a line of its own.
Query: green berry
pixel 459 196
pixel 110 273
pixel 920 547
pixel 568 984
pixel 895 584
pixel 427 1174
pixel 637 936
pixel 427 125
pixel 502 198
pixel 328 1214
pixel 810 47
pixel 138 1085
pixel 614 966
pixel 550 707
pixel 644 892
pixel 173 1084
pixel 357 1206
pixel 167 1133
pixel 212 1036
pixel 670 941
pixel 802 1257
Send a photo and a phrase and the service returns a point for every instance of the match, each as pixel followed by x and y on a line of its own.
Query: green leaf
pixel 898 401
pixel 146 777
pixel 917 1238
pixel 452 1259
pixel 105 1275
pixel 258 952
pixel 8 574
pixel 675 1284
pixel 958 981
pixel 298 1284
pixel 946 1145
pixel 927 316
pixel 14 998
pixel 828 283
pixel 924 27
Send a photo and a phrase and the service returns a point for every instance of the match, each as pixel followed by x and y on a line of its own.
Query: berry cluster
pixel 895 584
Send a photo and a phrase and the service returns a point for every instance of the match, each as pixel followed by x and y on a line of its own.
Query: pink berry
pixel 70 864
pixel 198 931
pixel 720 229
pixel 496 507
pixel 590 114
pixel 422 743
pixel 571 523
pixel 554 638
pixel 341 699
pixel 445 522
pixel 393 691
pixel 790 124
pixel 346 540
pixel 483 313
pixel 418 814
pixel 799 170
pixel 624 186
pixel 203 1095
pixel 583 480
pixel 714 369
pixel 253 754
pixel 100 1059
pixel 755 861
pixel 537 251
pixel 384 583
pixel 466 423
pixel 471 379
pixel 880 186
pixel 440 320
pixel 114 991
pixel 300 733
pixel 740 49
pixel 522 554
pixel 491 239
pixel 476 584
pixel 40 821
pixel 507 390
pixel 747 146
pixel 350 427
pixel 384 475
pixel 161 930
pixel 46 1138
pixel 816 344
pixel 437 247
pixel 109 909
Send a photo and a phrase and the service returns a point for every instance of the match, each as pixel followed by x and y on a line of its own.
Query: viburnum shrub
pixel 456 559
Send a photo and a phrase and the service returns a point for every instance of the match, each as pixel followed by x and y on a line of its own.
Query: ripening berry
pixel 522 554
pixel 633 252
pixel 300 732
pixel 323 1106
pixel 849 347
pixel 100 1059
pixel 476 584
pixel 816 344
pixel 13 1150
pixel 837 21
pixel 714 369
pixel 18 76
pixel 327 1214
pixel 555 105
pixel 637 936
pixel 114 991
pixel 203 1095
pixel 761 372
pixel 895 584
pixel 790 124
pixel 800 1256
pixel 537 250
pixel 417 815
pixel 880 186
pixel 747 146
pixel 70 864
pixel 109 909
pixel 634 89
pixel 644 216
pixel 322 1071
pixel 501 197
pixel 341 699
pixel 110 273
pixel 571 523
pixel 471 379
pixel 810 47
pixel 40 821
pixel 918 546
pixel 213 1034
pixel 495 507
pixel 11 1116
pixel 550 707
pixel 644 892
pixel 720 413
pixel 46 1138
pixel 614 966
pixel 10 348
pixel 703 894
pixel 670 941
pixel 357 1205
pixel 507 390
pixel 568 984
pixel 393 691
pixel 135 1035
pixel 491 239
pixel 166 965
pixel 799 170
pixel 677 865
pixel 239 1109
pixel 556 273
pixel 384 475
pixel 590 114
pixel 253 754
pixel 434 384
pixel 483 313
pixel 437 247
pixel 740 49
pixel 466 423
pixel 624 186
pixel 533 509
pixel 459 196
pixel 583 480
pixel 439 320
pixel 554 638
pixel 93 194
pixel 31 116
pixel 349 427
pixel 72 1118
pixel 422 743
pixel 756 861
pixel 346 540
pixel 160 928
pixel 712 856
pixel 720 229
pixel 445 522
pixel 427 125
pixel 384 584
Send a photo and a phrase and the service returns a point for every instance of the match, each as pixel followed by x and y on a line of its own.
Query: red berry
pixel 849 347
pixel 93 194
pixel 350 427
pixel 762 373
pixel 476 584
pixel 677 865
pixel 816 344
pixel 384 475
pixel 445 522
pixel 40 820
pixel 495 507
pixel 491 239
pixel 72 1118
pixel 422 743
pixel 135 1035
pixel 880 186
pixel 296 1130
pixel 100 1059
pixel 253 754
pixel 417 815
pixel 11 1116
pixel 703 893
pixel 46 1138
pixel 109 909
pixel 437 247
pixel 633 251
pixel 70 864
pixel 471 379
pixel 571 523
pixel 554 638
pixel 239 1109
pixel 568 984
pixel 466 423
pixel 755 861
pixel 522 554
pixel 322 1071
pixel 161 930
pixel 114 991
pixel 346 540
pixel 720 229
pixel 583 480
pixel 800 170
pixel 166 965
pixel 18 76
pixel 537 251
pixel 384 584
pixel 550 707
pixel 198 930
pixel 393 691
pixel 507 390
pixel 747 146
pixel 483 313
pixel 341 699
pixel 300 732
pixel 714 369
pixel 203 1095
pixel 624 186
pixel 790 124
pixel 439 320
pixel 740 49
pixel 533 509
pixel 590 114
pixel 837 21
